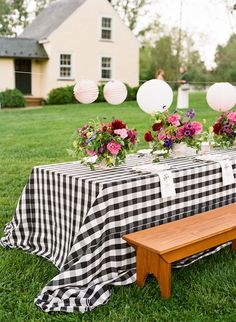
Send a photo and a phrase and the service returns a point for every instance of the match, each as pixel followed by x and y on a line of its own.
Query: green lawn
pixel 204 291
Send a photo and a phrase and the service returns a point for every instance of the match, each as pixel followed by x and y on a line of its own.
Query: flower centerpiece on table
pixel 224 130
pixel 170 129
pixel 103 143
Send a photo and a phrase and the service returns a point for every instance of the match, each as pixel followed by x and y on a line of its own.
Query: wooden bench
pixel 158 247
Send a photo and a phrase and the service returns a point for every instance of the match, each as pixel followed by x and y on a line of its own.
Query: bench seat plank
pixel 183 232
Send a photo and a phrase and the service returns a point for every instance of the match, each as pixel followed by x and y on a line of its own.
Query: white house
pixel 68 41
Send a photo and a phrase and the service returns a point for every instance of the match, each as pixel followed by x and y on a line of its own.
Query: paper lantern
pixel 115 92
pixel 221 97
pixel 154 96
pixel 86 91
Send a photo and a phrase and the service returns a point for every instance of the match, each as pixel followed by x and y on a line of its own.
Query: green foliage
pixel 159 55
pixel 225 60
pixel 65 95
pixel 61 95
pixel 132 92
pixel 12 98
pixel 13 14
pixel 100 93
pixel 131 10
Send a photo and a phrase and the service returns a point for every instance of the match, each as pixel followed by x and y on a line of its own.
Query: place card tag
pixel 227 172
pixel 167 184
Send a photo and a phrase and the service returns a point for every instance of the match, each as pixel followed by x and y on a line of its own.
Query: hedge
pixel 65 95
pixel 12 98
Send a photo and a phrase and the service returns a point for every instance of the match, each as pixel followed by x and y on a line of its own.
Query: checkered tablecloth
pixel 75 218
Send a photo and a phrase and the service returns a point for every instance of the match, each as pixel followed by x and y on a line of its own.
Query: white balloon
pixel 115 92
pixel 154 96
pixel 86 91
pixel 221 97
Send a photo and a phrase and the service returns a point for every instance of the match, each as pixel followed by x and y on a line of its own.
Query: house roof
pixel 51 18
pixel 21 48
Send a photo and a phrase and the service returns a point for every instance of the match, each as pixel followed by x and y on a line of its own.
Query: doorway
pixel 23 75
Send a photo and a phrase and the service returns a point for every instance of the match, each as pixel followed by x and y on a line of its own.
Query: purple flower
pixel 190 113
pixel 168 143
pixel 189 132
pixel 187 125
pixel 227 128
pixel 102 149
pixel 132 135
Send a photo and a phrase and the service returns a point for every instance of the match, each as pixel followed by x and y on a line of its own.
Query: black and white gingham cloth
pixel 76 217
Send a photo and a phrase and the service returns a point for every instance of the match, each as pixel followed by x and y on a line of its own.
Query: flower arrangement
pixel 103 143
pixel 224 130
pixel 169 129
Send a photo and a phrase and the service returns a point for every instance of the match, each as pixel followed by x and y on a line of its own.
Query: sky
pixel 208 22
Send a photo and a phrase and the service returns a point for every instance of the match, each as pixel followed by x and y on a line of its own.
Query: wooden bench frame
pixel 158 247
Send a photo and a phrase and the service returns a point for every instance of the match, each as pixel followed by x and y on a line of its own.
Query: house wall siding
pixel 7 79
pixel 79 36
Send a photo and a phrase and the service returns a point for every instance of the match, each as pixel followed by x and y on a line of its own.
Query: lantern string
pixel 141 81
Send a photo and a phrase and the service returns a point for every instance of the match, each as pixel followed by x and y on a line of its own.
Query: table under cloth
pixel 75 218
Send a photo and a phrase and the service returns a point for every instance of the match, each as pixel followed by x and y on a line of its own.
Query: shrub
pixel 132 92
pixel 61 95
pixel 100 95
pixel 65 95
pixel 12 98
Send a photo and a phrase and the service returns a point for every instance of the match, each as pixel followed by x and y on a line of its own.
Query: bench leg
pixel 164 278
pixel 151 263
pixel 233 245
pixel 142 266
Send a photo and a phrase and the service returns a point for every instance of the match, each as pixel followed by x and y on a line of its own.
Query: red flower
pixel 148 136
pixel 217 128
pixel 157 126
pixel 117 124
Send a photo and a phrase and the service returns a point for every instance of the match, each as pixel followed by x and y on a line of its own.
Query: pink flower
pixel 197 126
pixel 122 133
pixel 90 153
pixel 180 133
pixel 161 136
pixel 113 147
pixel 231 116
pixel 174 119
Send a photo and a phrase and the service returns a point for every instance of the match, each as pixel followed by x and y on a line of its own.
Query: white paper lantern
pixel 154 96
pixel 115 92
pixel 86 91
pixel 221 97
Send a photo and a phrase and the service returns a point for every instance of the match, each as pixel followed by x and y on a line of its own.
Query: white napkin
pixel 148 152
pixel 167 184
pixel 151 168
pixel 209 157
pixel 227 172
pixel 166 177
pixel 226 167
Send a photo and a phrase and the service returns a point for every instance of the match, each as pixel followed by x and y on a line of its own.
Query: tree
pixel 41 4
pixel 225 60
pixel 161 55
pixel 15 15
pixel 131 10
pixel 5 19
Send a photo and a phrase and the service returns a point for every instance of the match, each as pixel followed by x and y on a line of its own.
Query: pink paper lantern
pixel 221 97
pixel 115 92
pixel 86 91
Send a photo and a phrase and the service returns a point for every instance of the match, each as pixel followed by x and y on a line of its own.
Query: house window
pixel 106 31
pixel 106 68
pixel 65 66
